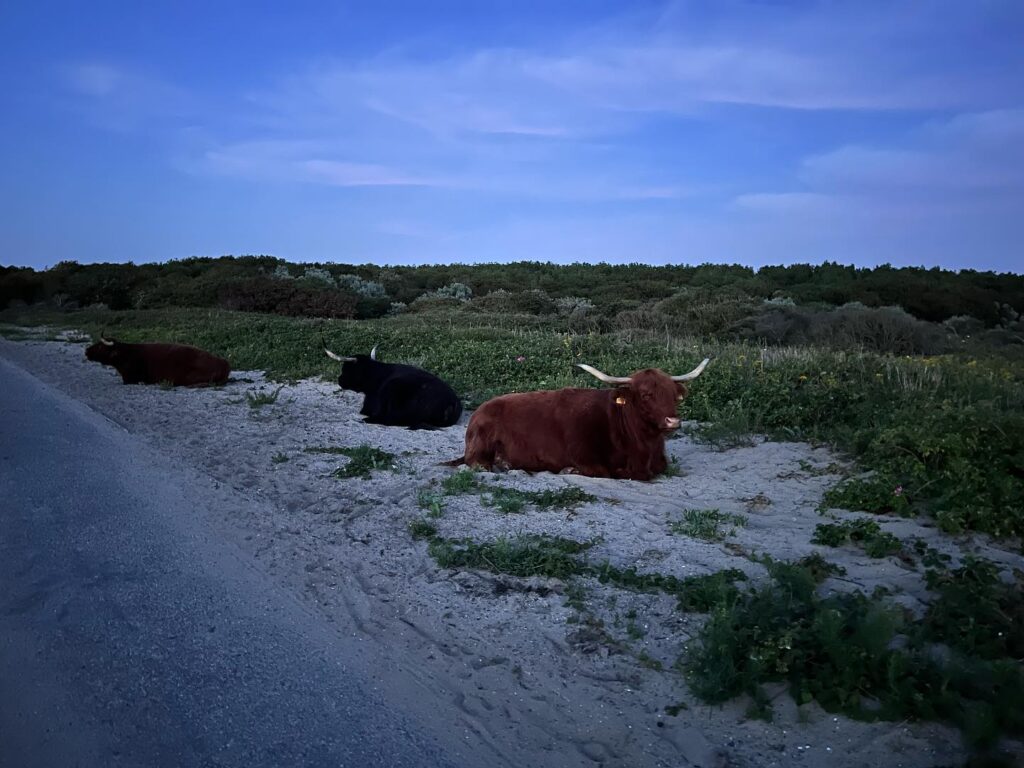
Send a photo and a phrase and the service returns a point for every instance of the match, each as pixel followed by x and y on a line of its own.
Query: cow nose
pixel 671 422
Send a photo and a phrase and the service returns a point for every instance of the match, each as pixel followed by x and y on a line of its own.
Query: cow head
pixel 358 373
pixel 651 394
pixel 105 351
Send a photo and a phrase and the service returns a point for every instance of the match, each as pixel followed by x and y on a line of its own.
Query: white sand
pixel 505 652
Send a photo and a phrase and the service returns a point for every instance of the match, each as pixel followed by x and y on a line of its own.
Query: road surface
pixel 132 634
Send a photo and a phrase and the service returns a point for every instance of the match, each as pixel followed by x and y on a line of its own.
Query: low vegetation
pixel 521 556
pixel 705 524
pixel 863 532
pixel 513 500
pixel 363 460
pixel 257 400
pixel 857 654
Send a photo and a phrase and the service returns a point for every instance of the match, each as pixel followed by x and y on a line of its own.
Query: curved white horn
pixel 339 358
pixel 108 342
pixel 603 376
pixel 694 373
pixel 373 352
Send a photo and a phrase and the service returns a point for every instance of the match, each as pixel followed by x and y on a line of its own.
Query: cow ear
pixel 681 391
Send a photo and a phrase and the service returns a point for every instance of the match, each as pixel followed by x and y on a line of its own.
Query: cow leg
pixel 384 406
pixel 373 408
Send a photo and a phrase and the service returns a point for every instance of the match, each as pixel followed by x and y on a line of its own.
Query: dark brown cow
pixel 154 363
pixel 601 433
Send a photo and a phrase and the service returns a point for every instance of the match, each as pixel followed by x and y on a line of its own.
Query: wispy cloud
pixel 121 99
pixel 967 155
pixel 951 191
pixel 306 161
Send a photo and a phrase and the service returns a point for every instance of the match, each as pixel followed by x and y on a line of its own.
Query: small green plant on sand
pixel 672 469
pixel 422 529
pixel 512 500
pixel 705 524
pixel 279 458
pixel 259 399
pixel 463 481
pixel 521 556
pixel 431 501
pixel 697 594
pixel 364 460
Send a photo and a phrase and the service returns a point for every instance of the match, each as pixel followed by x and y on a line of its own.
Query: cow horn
pixel 603 376
pixel 694 373
pixel 333 355
pixel 373 352
pixel 105 340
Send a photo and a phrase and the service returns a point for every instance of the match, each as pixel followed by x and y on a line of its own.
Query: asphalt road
pixel 132 634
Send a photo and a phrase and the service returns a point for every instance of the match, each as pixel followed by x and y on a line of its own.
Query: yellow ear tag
pixel 620 401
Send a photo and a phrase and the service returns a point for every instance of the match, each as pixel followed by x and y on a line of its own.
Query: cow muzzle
pixel 670 423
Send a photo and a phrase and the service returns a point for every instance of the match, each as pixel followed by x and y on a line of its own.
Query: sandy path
pixel 505 652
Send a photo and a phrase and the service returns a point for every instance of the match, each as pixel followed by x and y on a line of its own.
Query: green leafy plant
pixel 422 529
pixel 863 532
pixel 431 501
pixel 513 500
pixel 363 461
pixel 851 653
pixel 520 556
pixel 705 524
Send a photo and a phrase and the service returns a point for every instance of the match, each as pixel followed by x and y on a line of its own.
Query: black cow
pixel 398 395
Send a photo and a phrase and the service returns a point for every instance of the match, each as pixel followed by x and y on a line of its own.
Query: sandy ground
pixel 508 654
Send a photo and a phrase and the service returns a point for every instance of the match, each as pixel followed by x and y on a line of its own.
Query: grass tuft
pixel 705 524
pixel 463 481
pixel 431 501
pixel 422 529
pixel 512 500
pixel 363 461
pixel 522 556
pixel 260 399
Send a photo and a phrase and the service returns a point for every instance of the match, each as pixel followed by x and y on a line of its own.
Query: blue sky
pixel 756 132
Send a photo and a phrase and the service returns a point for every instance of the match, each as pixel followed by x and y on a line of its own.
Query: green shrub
pixel 976 611
pixel 851 654
pixel 866 533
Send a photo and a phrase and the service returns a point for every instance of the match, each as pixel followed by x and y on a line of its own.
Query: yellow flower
pixel 803 377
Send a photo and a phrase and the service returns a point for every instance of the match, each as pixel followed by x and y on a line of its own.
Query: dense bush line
pixel 904 311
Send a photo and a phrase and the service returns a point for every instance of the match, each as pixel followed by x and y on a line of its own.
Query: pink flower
pixel 898 491
pixel 521 359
